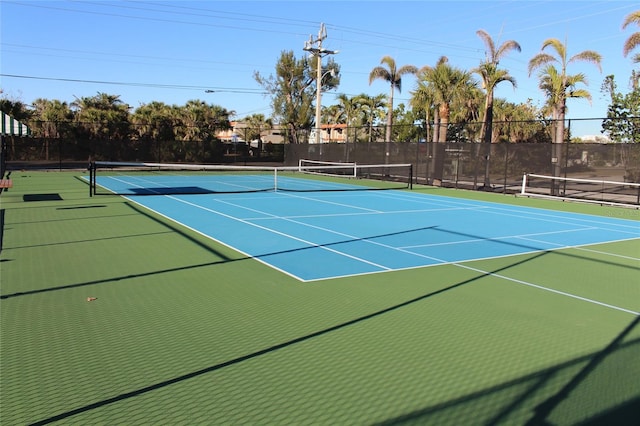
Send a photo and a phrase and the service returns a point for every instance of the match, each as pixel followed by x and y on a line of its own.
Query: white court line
pixel 310 243
pixel 460 265
pixel 331 203
pixel 311 216
pixel 134 179
pixel 341 234
pixel 531 213
pixel 521 236
pixel 608 254
pixel 562 293
pixel 500 276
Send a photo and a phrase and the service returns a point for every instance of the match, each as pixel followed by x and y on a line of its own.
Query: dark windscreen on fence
pixel 462 165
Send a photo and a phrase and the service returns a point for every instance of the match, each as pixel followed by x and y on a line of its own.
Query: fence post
pixel 506 168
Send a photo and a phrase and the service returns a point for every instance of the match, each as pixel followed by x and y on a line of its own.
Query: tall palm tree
pixel 558 85
pixel 634 39
pixel 491 76
pixel 392 75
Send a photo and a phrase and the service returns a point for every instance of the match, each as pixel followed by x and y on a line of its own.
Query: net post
pixel 275 179
pixel 92 177
pixel 524 184
pixel 411 176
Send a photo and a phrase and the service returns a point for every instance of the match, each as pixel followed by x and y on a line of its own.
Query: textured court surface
pixel 321 235
pixel 186 330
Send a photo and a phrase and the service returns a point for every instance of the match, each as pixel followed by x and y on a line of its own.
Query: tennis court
pixel 332 234
pixel 423 306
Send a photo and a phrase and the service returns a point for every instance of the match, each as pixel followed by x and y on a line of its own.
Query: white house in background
pixel 235 134
pixel 238 133
pixel 330 133
pixel 275 135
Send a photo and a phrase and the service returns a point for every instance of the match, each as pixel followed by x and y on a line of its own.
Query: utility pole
pixel 318 52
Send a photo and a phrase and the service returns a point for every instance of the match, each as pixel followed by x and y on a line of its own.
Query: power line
pixel 255 18
pixel 151 85
pixel 151 19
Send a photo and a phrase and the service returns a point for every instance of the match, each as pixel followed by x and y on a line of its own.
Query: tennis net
pixel 122 178
pixel 318 167
pixel 587 190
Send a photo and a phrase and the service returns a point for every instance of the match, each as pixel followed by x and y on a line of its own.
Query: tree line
pixel 447 104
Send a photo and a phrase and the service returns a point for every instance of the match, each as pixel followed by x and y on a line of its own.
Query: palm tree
pixel 491 76
pixel 257 124
pixel 393 76
pixel 153 121
pixel 558 85
pixel 370 109
pixel 53 119
pixel 103 115
pixel 634 39
pixel 348 107
pixel 449 84
pixel 423 100
pixel 51 116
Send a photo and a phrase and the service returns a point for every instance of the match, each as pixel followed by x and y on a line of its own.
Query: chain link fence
pixel 461 162
pixel 466 165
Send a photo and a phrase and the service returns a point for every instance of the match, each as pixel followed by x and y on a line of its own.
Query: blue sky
pixel 172 51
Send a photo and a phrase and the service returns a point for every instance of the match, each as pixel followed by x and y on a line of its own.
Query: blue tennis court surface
pixel 321 235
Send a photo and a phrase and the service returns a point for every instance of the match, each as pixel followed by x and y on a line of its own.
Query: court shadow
pixel 605 368
pixel 577 403
pixel 530 248
pixel 94 206
pixel 177 229
pixel 173 227
pixel 164 190
pixel 41 197
pixel 92 240
pixel 2 214
pixel 271 349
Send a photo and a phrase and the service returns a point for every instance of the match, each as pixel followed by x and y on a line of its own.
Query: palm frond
pixel 488 42
pixel 631 43
pixel 632 18
pixel 405 69
pixel 507 47
pixel 509 78
pixel 390 63
pixel 572 80
pixel 579 93
pixel 588 56
pixel 557 45
pixel 540 60
pixel 379 73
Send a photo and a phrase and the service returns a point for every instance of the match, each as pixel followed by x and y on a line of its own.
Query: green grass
pixel 186 331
